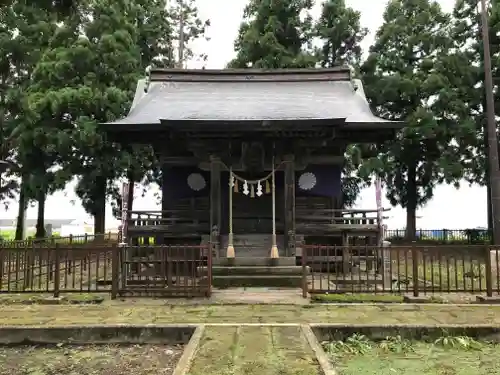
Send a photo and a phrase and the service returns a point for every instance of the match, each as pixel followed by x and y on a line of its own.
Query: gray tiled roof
pixel 220 100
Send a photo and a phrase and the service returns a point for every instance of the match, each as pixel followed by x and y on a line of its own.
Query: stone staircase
pixel 252 266
pixel 252 245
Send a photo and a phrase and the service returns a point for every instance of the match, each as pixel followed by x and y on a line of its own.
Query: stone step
pixel 251 245
pixel 252 270
pixel 255 261
pixel 240 281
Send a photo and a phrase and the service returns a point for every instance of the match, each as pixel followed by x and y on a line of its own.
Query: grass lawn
pixel 89 360
pixel 356 298
pixel 447 356
pixel 254 351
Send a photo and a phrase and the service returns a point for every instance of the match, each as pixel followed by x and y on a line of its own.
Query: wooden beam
pixel 289 197
pixel 180 161
pixel 215 204
pixel 326 159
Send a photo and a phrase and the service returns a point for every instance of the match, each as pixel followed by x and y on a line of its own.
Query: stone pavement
pixel 154 313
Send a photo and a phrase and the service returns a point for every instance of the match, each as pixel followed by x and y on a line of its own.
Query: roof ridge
pixel 342 73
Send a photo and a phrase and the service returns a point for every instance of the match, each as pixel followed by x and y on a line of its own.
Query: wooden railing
pixel 309 221
pixel 317 221
pixel 402 269
pixel 180 271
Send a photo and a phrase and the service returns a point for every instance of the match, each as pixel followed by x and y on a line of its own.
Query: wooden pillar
pixel 166 201
pixel 215 205
pixel 289 198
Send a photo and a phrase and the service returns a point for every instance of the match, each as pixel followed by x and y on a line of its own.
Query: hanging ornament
pixel 235 186
pixel 268 187
pixel 252 192
pixel 245 188
pixel 259 189
pixel 231 181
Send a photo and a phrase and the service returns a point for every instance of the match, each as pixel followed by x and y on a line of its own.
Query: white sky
pixel 450 208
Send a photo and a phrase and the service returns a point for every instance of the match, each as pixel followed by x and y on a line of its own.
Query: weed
pixel 396 344
pixel 354 345
pixel 458 342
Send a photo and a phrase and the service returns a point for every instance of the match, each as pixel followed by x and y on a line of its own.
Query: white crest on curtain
pixel 196 181
pixel 307 181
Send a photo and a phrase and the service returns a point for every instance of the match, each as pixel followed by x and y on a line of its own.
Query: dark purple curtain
pixel 319 180
pixel 315 180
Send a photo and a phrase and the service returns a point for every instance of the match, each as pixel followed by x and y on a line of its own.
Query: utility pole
pixel 494 167
pixel 484 125
pixel 181 34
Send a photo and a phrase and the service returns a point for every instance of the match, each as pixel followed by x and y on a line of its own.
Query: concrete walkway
pixel 259 295
pixel 126 313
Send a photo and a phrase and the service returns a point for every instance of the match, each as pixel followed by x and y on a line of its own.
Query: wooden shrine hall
pixel 252 159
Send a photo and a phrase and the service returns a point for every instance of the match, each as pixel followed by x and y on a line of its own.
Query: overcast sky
pixel 450 208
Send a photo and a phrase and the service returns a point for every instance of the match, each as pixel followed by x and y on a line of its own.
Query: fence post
pixel 414 260
pixel 115 269
pixel 489 272
pixel 28 253
pixel 57 271
pixel 304 272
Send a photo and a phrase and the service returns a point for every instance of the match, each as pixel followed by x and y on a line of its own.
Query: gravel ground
pixel 89 360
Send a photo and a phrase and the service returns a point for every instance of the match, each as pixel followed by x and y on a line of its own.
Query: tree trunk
pixel 21 213
pixel 100 206
pixel 40 220
pixel 411 204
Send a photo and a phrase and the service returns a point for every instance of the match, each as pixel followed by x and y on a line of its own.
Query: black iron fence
pixel 444 236
pixel 402 269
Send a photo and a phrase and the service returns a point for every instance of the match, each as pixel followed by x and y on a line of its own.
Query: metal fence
pixel 402 269
pixel 183 271
pixel 469 236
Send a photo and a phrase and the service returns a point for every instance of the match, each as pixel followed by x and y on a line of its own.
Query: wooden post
pixel 346 254
pixel 215 203
pixel 289 197
pixel 414 259
pixel 115 270
pixel 304 272
pixel 489 272
pixel 166 201
pixel 57 271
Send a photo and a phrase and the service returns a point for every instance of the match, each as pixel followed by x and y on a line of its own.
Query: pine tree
pixel 26 32
pixel 340 33
pixel 405 81
pixel 274 35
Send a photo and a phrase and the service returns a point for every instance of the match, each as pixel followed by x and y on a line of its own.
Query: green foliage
pixel 468 75
pixel 356 298
pixel 82 80
pixel 396 344
pixel 341 34
pixel 274 35
pixel 185 13
pixel 355 345
pixel 458 342
pixel 358 344
pixel 67 66
pixel 279 34
pixel 405 81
